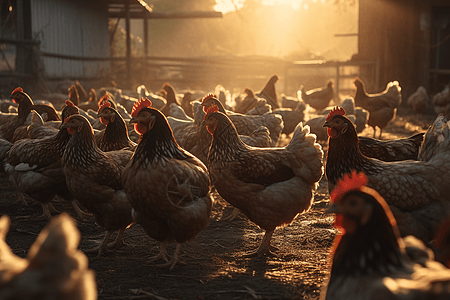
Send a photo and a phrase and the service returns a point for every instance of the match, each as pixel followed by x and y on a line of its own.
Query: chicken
pixel 73 95
pixel 167 186
pixel 391 150
pixel 291 117
pixel 260 108
pixel 19 96
pixel 370 260
pixel 269 92
pixel 419 100
pixel 35 168
pixel 37 129
pixel 177 111
pixel 289 102
pixel 53 269
pixel 186 103
pixel 271 186
pixel 195 138
pixel 249 102
pixel 417 191
pixel 82 95
pixel 246 124
pixel 91 103
pixel 158 101
pixel 318 98
pixel 94 179
pixel 25 105
pixel 382 107
pixel 441 102
pixel 171 97
pixel 115 136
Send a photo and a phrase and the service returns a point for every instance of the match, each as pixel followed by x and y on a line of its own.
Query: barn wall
pixel 396 33
pixel 76 28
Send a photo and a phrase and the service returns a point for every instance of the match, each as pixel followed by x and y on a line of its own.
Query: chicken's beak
pixel 327 124
pixel 133 121
pixel 333 209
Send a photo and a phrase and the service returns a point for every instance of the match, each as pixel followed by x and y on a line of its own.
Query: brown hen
pixel 167 186
pixel 19 96
pixel 370 259
pixel 417 191
pixel 318 98
pixel 382 107
pixel 246 124
pixel 94 179
pixel 271 186
pixel 53 269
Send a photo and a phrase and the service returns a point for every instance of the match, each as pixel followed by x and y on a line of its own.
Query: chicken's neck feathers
pixel 157 143
pixel 226 144
pixel 372 249
pixel 344 155
pixel 115 136
pixel 81 150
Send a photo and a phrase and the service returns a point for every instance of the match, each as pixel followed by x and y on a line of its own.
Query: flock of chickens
pixel 155 160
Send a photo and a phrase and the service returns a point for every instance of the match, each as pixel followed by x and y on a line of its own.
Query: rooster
pixel 93 178
pixel 318 98
pixel 271 186
pixel 115 136
pixel 19 96
pixel 166 185
pixel 382 107
pixel 246 124
pixel 53 269
pixel 370 259
pixel 416 196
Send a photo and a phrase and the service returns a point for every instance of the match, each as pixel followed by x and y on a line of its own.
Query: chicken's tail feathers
pixel 303 144
pixel 436 139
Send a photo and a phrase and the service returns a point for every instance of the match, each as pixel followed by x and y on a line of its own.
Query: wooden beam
pixel 173 15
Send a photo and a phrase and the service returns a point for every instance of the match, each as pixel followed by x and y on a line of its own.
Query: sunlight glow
pixel 226 6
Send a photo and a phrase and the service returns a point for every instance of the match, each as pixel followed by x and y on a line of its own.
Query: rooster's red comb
pixel 211 109
pixel 337 110
pixel 144 102
pixel 103 104
pixel 70 103
pixel 104 98
pixel 18 89
pixel 209 96
pixel 348 183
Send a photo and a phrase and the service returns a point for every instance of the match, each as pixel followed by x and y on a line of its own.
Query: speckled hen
pixel 271 186
pixel 166 185
pixel 93 178
pixel 417 191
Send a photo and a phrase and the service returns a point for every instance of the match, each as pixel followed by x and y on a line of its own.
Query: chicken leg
pixel 264 247
pixel 175 259
pixel 162 252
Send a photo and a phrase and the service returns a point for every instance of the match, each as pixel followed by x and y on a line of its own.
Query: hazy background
pixel 291 29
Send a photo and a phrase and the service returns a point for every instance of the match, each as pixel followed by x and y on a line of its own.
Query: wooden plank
pixel 168 15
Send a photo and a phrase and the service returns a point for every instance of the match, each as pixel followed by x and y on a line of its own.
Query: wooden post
pixel 20 35
pixel 128 45
pixel 145 21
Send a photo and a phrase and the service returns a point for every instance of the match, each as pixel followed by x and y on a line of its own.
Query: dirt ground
pixel 215 267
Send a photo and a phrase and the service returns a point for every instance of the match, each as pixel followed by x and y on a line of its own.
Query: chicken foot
pixel 118 242
pixel 264 247
pixel 81 214
pixel 162 253
pixel 103 246
pixel 233 215
pixel 175 259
